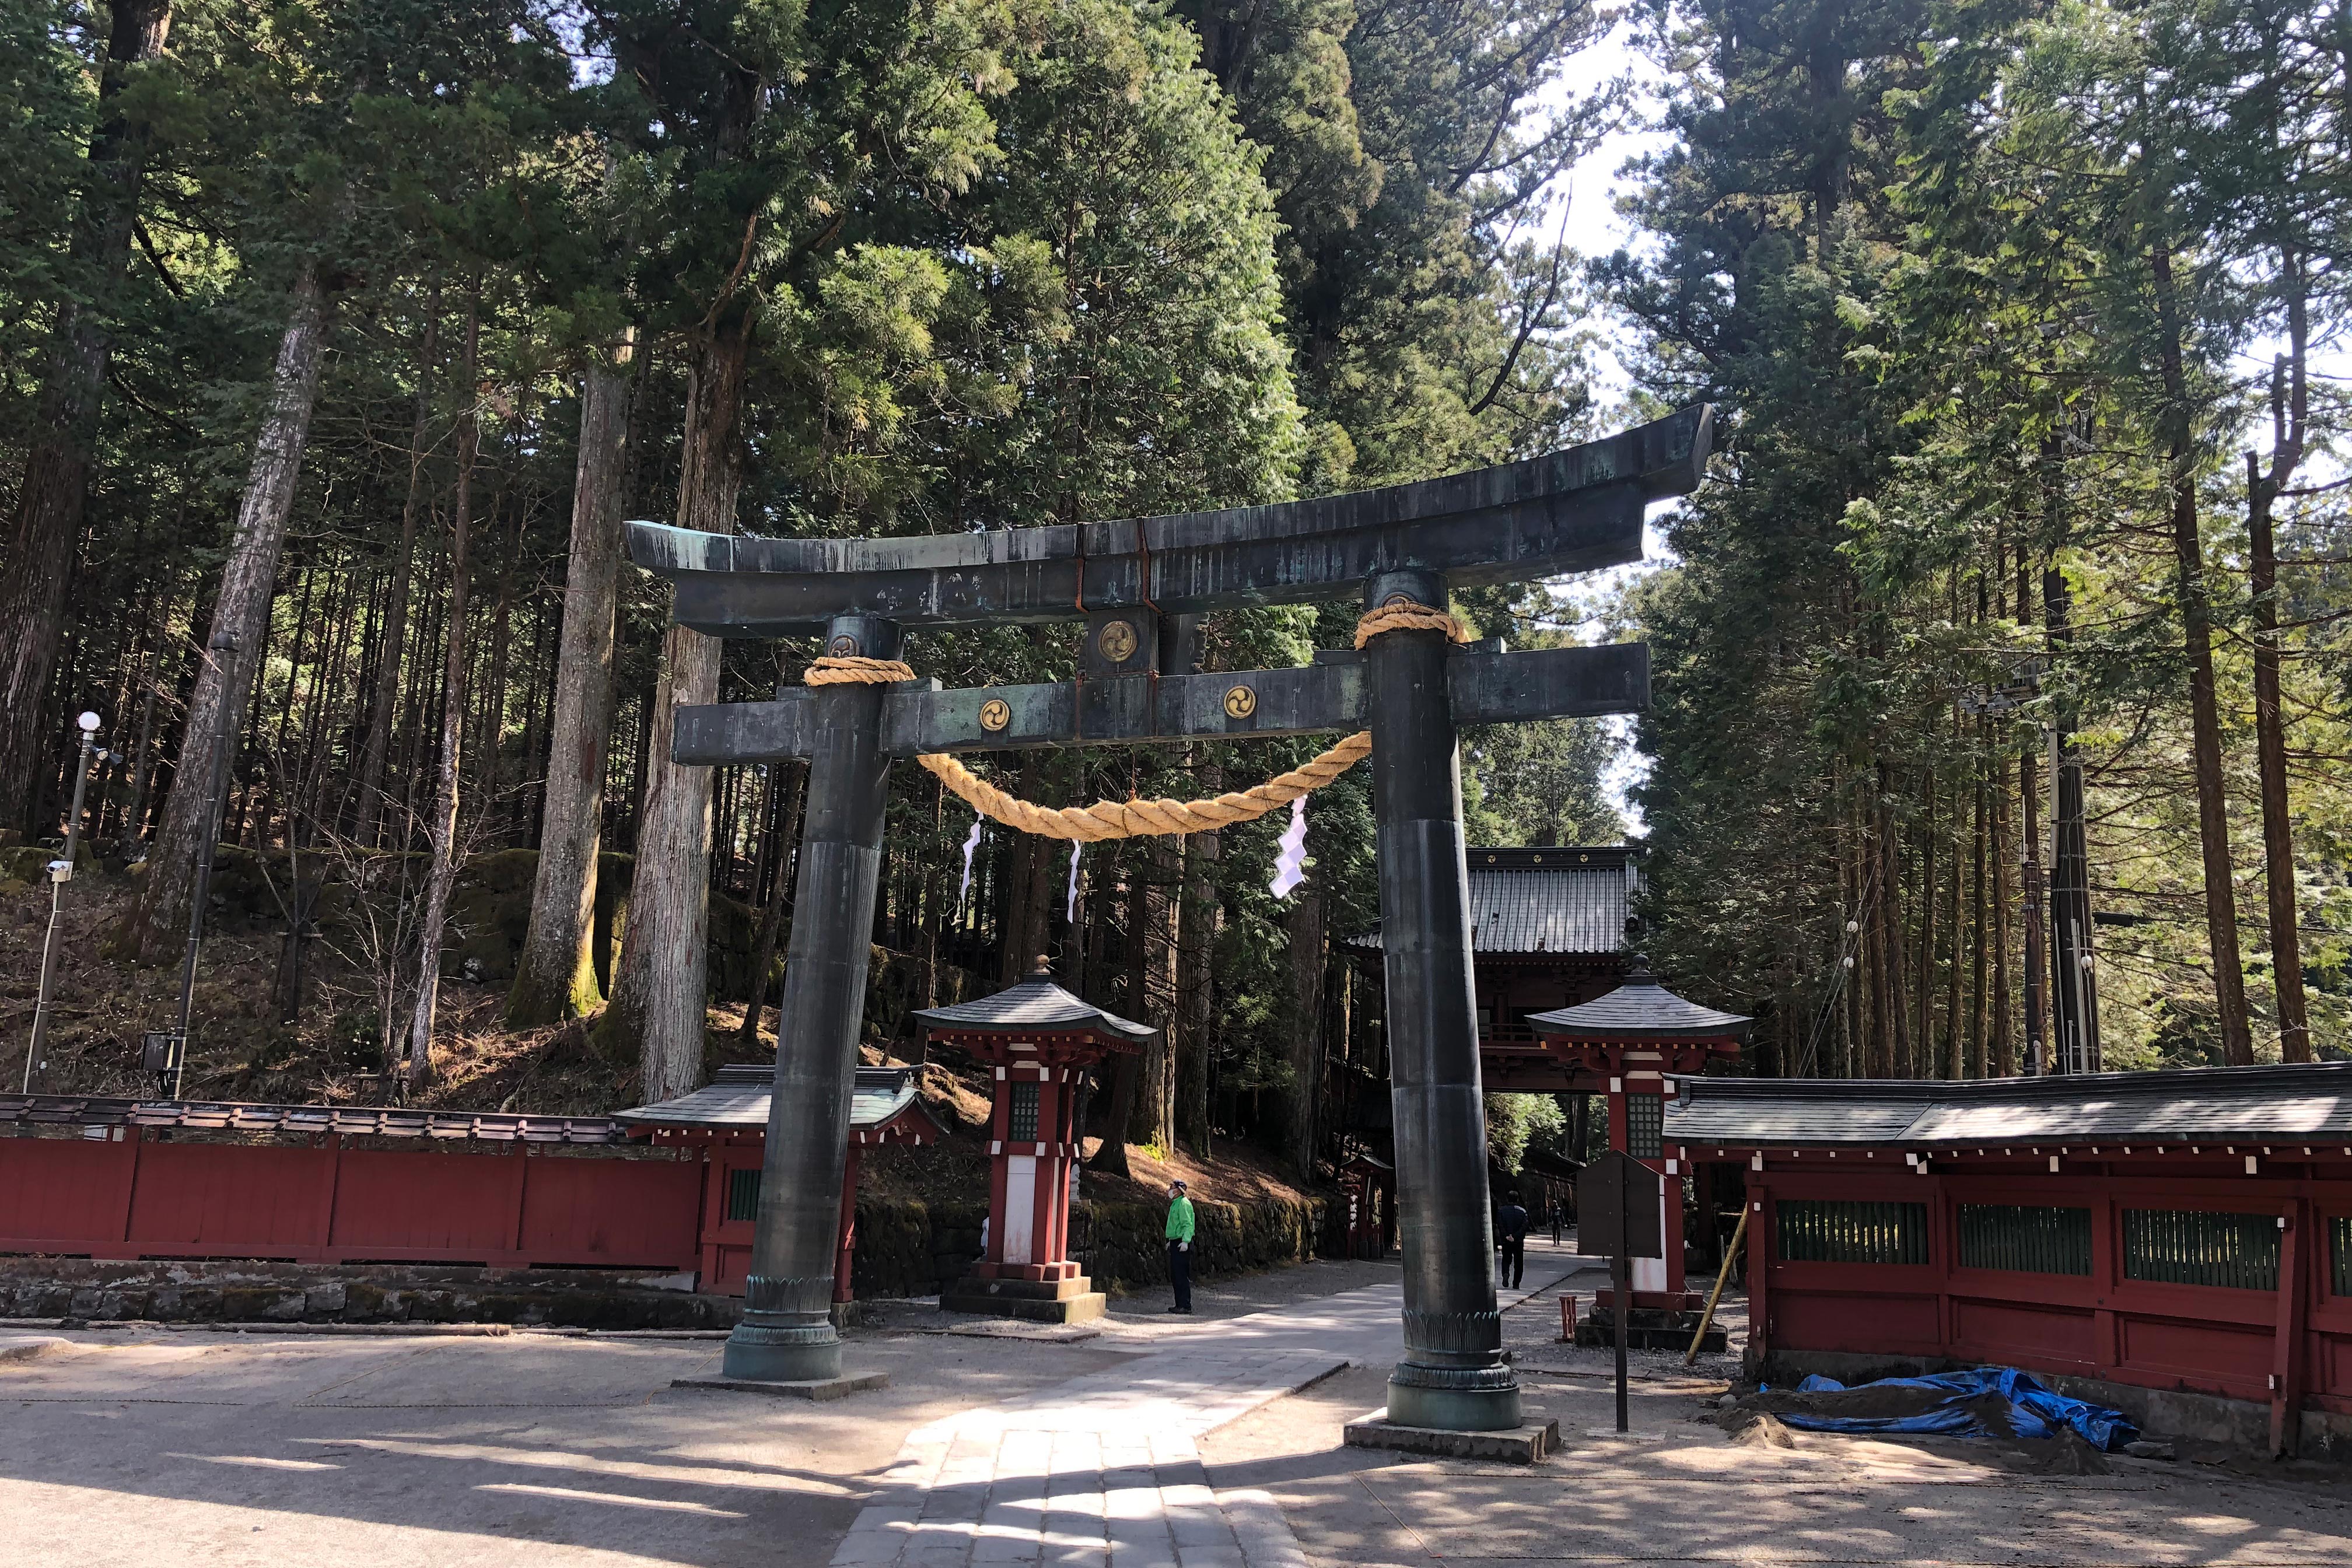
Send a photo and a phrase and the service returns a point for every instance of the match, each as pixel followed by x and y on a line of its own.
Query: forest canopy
pixel 339 338
pixel 2000 683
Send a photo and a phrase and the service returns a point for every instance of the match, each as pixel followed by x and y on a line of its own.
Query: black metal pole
pixel 58 878
pixel 1620 1296
pixel 787 1332
pixel 1453 1377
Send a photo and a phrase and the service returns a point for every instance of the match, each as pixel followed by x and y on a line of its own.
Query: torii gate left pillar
pixel 787 1333
pixel 1453 1377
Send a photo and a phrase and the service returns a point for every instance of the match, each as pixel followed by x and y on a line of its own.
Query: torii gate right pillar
pixel 1452 1375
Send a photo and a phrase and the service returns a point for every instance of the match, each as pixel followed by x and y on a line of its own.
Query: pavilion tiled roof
pixel 1641 1009
pixel 737 1098
pixel 1566 900
pixel 1035 1005
pixel 2311 1102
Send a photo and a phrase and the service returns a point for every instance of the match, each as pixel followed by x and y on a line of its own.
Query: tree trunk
pixel 2204 707
pixel 786 837
pixel 1306 967
pixel 2029 888
pixel 1922 1062
pixel 56 485
pixel 383 711
pixel 2289 404
pixel 555 977
pixel 660 995
pixel 1127 1071
pixel 660 1005
pixel 1033 943
pixel 241 613
pixel 1975 1066
pixel 1161 937
pixel 133 828
pixel 1196 983
pixel 441 820
pixel 1897 1063
pixel 2003 1061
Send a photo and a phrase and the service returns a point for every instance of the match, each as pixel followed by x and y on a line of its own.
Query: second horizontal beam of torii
pixel 1487 686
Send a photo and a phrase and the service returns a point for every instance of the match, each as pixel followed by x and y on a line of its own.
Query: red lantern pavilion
pixel 1041 1041
pixel 1634 1038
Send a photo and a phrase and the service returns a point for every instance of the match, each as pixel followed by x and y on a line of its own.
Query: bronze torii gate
pixel 1139 585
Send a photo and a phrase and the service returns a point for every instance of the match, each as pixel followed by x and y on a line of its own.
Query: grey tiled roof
pixel 245 1116
pixel 739 1097
pixel 1567 900
pixel 2197 1105
pixel 1034 1004
pixel 1641 1009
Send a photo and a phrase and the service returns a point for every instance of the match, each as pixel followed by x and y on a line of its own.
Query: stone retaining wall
pixel 910 1249
pixel 904 1249
pixel 186 1292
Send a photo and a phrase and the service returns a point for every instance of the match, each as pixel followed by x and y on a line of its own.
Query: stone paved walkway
pixel 1104 1471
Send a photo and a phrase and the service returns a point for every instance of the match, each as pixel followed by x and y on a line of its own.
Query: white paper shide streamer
pixel 971 843
pixel 1290 865
pixel 1071 913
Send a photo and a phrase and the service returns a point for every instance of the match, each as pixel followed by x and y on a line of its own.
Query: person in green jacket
pixel 1180 1247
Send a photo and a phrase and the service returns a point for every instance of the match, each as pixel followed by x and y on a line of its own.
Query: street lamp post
pixel 61 873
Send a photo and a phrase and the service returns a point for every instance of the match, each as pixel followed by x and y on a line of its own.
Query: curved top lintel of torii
pixel 1576 509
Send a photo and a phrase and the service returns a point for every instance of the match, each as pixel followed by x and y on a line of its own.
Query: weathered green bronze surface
pixel 1578 510
pixel 916 717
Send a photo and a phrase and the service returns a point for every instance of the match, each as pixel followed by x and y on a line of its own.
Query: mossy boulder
pixel 30 862
pixel 490 915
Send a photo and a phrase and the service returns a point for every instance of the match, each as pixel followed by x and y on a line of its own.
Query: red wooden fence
pixel 2289 1347
pixel 132 1197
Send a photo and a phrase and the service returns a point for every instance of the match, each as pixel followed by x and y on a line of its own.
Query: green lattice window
pixel 2025 1239
pixel 1022 1124
pixel 2339 1247
pixel 1645 1126
pixel 1824 1230
pixel 744 1194
pixel 2201 1246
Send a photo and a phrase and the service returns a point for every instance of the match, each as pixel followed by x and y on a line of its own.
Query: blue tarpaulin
pixel 2033 1410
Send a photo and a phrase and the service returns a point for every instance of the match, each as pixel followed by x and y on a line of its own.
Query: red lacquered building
pixel 2176 1244
pixel 726 1121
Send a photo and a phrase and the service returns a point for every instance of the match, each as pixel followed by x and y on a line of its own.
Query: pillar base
pixel 1518 1445
pixel 820 1390
pixel 760 1355
pixel 1412 1402
pixel 1071 1300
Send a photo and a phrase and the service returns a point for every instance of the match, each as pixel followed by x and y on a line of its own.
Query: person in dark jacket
pixel 1511 1240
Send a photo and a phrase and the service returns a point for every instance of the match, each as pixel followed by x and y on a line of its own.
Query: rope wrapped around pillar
pixel 1141 819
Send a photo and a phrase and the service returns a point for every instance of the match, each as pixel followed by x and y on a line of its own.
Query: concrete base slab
pixel 32 1347
pixel 1070 1310
pixel 822 1388
pixel 1518 1445
pixel 1014 1329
